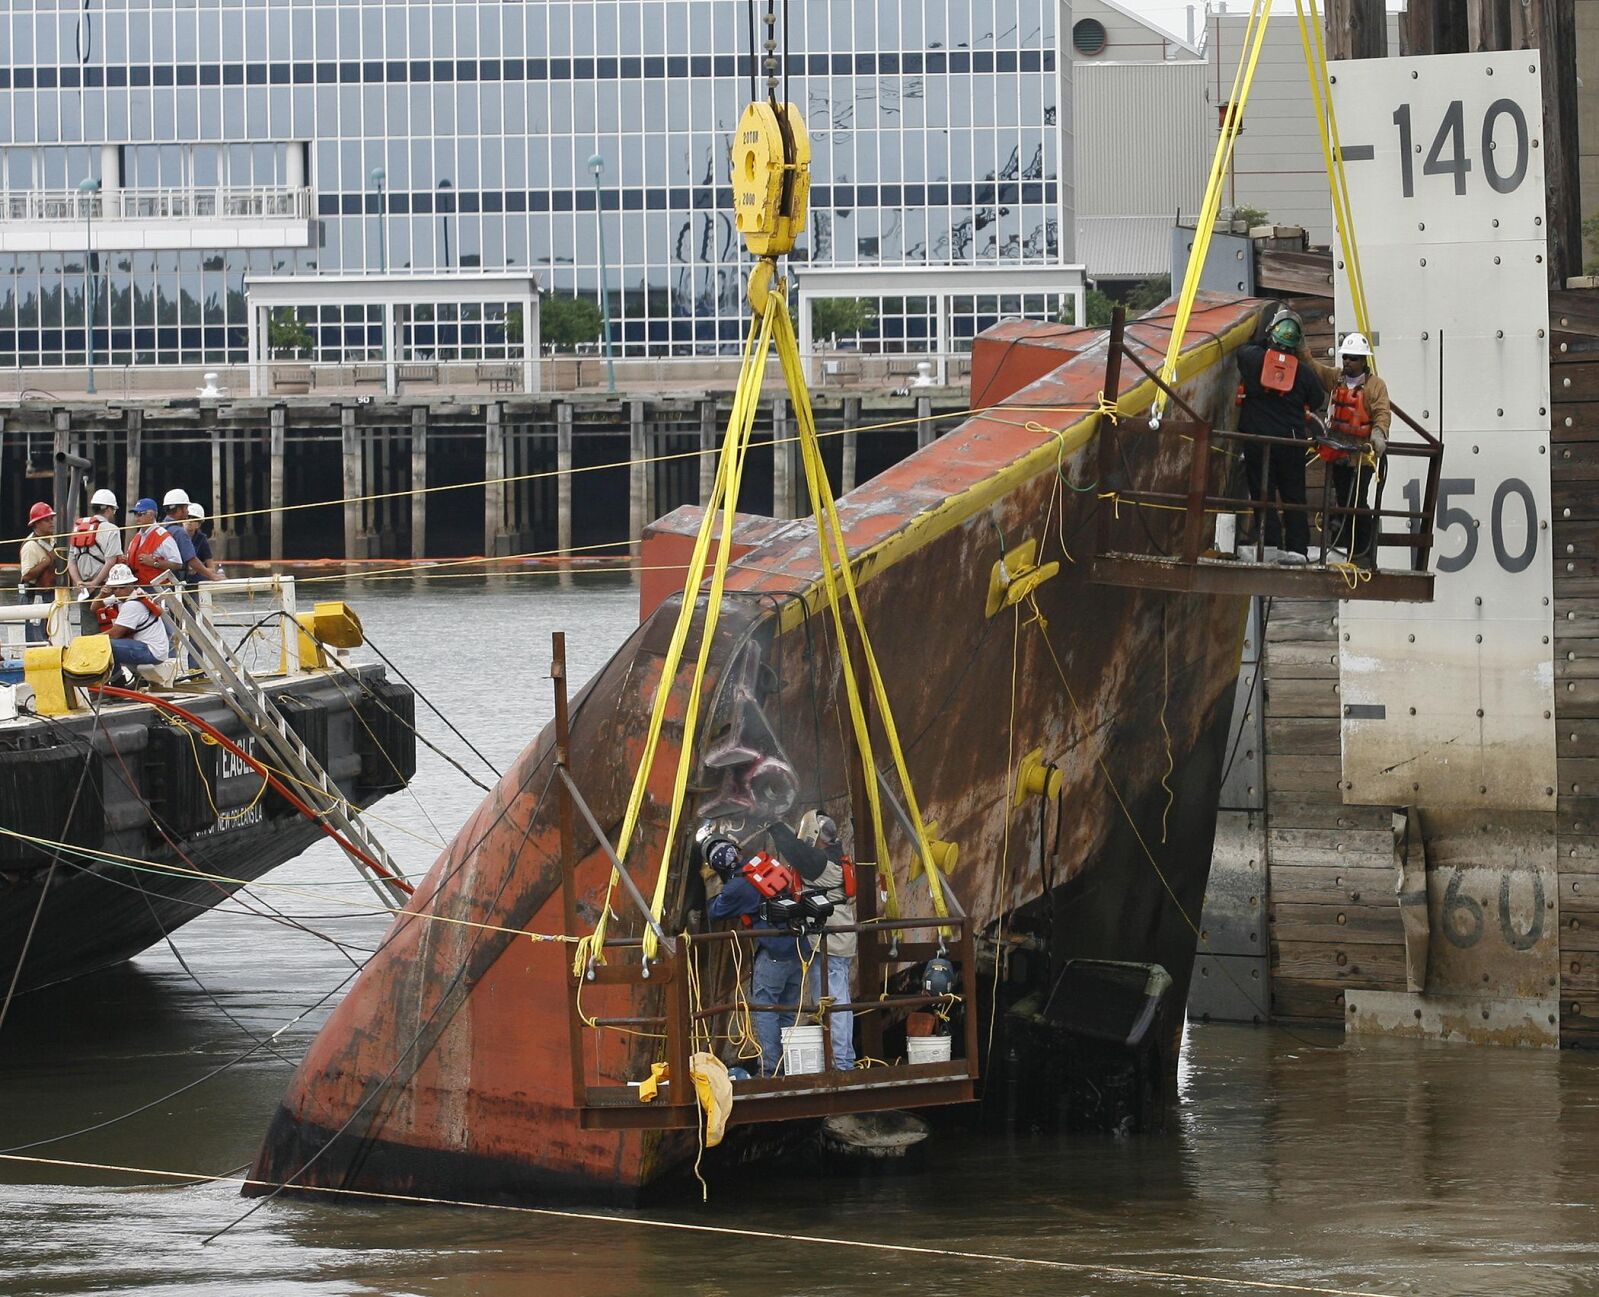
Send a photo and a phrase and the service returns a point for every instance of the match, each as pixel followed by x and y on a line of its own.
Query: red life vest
pixel 1278 371
pixel 769 877
pixel 106 613
pixel 142 548
pixel 847 864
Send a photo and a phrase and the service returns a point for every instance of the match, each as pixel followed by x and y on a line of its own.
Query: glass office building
pixel 226 138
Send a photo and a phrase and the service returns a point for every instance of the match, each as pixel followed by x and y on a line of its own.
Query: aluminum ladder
pixel 261 718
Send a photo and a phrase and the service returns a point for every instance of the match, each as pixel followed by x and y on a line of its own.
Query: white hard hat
pixel 177 495
pixel 196 511
pixel 121 574
pixel 1354 344
pixel 102 497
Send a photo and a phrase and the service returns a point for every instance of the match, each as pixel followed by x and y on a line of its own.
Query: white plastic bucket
pixel 802 1050
pixel 1226 533
pixel 927 1049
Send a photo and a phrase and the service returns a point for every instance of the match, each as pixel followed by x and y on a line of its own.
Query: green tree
pixel 564 322
pixel 1250 216
pixel 1149 294
pixel 1590 236
pixel 841 317
pixel 1098 307
pixel 287 334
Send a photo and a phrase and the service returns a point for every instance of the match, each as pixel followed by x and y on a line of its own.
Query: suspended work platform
pixel 1163 540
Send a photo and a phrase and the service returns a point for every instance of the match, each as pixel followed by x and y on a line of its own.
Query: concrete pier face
pixel 295 479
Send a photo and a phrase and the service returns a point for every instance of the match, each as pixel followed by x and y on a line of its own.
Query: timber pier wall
pixel 365 478
pixel 1303 914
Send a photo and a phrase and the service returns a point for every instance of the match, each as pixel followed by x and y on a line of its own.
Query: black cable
pixel 184 1089
pixel 172 842
pixel 49 877
pixel 405 680
pixel 416 1036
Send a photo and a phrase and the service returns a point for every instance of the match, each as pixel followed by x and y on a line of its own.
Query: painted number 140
pixel 1447 156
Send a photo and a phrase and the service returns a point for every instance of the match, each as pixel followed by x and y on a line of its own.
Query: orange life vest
pixel 1347 414
pixel 142 548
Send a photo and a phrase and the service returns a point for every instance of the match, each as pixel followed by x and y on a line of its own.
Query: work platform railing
pixel 1214 457
pixel 686 968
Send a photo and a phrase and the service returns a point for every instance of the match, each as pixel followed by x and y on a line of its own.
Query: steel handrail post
pixel 563 741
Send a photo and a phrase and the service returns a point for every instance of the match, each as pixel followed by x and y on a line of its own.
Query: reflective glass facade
pixel 934 125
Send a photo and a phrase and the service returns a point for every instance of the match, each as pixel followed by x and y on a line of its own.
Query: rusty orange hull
pixel 447 1071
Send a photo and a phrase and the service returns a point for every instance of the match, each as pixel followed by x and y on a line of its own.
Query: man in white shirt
pixel 138 637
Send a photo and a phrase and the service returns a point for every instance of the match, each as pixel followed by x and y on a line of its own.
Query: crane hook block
pixel 771 177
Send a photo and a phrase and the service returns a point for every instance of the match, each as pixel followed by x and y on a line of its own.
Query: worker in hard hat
pixel 1276 393
pixel 38 566
pixel 96 541
pixel 138 635
pixel 1359 408
pixel 176 503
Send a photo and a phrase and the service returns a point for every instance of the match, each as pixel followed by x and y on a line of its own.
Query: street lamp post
pixel 378 177
pixel 87 189
pixel 446 202
pixel 597 166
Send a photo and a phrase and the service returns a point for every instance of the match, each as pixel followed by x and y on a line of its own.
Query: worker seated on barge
pixel 767 897
pixel 133 621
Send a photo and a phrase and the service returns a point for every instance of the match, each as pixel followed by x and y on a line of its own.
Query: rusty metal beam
pixel 1210 576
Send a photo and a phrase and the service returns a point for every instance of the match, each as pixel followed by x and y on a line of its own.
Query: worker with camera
pixel 766 896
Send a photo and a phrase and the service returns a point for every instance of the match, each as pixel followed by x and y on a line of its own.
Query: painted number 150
pixel 1447 156
pixel 1452 515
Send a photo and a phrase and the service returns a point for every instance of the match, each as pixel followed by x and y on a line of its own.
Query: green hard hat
pixel 1286 331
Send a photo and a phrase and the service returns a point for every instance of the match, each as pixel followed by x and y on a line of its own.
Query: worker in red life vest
pixel 1358 407
pixel 749 882
pixel 138 637
pixel 152 553
pixel 1277 390
pixel 817 854
pixel 96 541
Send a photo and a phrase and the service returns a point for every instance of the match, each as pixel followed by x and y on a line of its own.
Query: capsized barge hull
pixel 447 1071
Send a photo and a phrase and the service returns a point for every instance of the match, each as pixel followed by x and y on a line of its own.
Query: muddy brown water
pixel 1292 1159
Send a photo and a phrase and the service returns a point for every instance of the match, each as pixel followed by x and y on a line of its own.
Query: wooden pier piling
pixel 261 467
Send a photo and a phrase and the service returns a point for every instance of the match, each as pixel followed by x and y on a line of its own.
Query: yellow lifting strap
pixel 772 144
pixel 724 490
pixel 1232 125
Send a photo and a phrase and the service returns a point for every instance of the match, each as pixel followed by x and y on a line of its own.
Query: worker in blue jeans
pixel 138 636
pixel 780 958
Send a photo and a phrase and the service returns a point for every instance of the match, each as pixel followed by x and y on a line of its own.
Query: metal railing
pixel 185 203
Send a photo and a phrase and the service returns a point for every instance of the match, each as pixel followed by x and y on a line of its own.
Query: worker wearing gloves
pixel 1358 407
